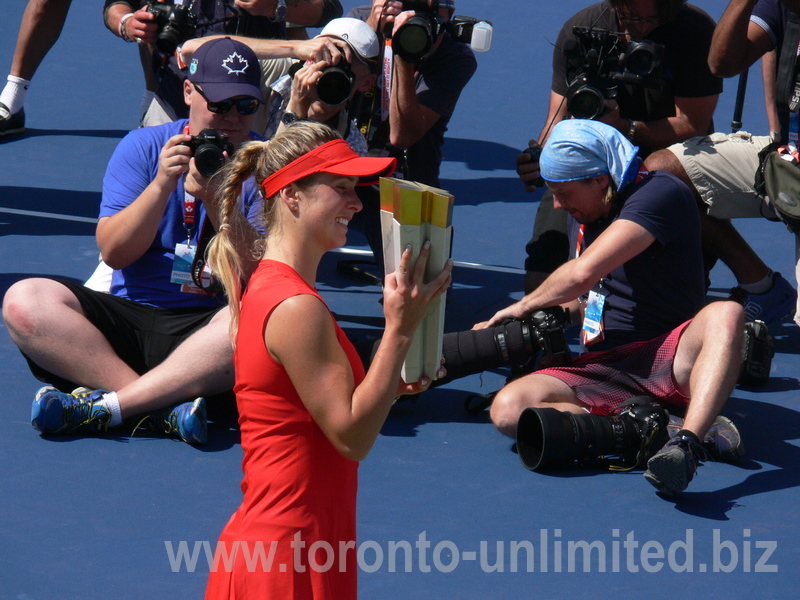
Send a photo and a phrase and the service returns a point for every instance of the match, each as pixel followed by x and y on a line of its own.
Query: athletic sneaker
pixel 772 306
pixel 722 442
pixel 187 421
pixel 674 466
pixel 57 412
pixel 11 123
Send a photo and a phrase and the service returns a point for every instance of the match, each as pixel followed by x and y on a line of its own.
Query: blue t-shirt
pixel 663 286
pixel 132 167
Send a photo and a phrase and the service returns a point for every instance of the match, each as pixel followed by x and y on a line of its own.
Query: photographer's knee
pixel 506 409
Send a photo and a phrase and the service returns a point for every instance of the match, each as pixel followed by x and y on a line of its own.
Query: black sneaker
pixel 722 442
pixel 674 466
pixel 11 123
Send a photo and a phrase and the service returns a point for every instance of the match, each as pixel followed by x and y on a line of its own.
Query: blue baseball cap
pixel 225 68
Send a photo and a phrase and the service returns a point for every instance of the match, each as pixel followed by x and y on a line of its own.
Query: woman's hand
pixel 406 298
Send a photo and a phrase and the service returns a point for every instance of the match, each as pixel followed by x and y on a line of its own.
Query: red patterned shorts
pixel 604 380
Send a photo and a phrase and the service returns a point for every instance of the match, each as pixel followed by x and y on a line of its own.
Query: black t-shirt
pixel 663 286
pixel 685 72
pixel 439 81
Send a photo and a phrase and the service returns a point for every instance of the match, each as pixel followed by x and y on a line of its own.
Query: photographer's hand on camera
pixel 173 162
pixel 200 186
pixel 324 48
pixel 528 167
pixel 383 14
pixel 518 310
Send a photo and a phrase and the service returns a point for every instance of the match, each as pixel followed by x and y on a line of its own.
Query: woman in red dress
pixel 307 411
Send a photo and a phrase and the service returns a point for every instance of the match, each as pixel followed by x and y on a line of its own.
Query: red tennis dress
pixel 294 534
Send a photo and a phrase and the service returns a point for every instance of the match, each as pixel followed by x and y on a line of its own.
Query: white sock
pixel 759 287
pixel 111 402
pixel 13 95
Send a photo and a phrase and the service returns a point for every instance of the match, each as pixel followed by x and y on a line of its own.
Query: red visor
pixel 334 157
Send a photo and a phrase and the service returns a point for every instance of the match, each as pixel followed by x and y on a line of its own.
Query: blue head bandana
pixel 579 149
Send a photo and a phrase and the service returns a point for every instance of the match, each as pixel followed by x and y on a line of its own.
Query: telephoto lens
pixel 548 438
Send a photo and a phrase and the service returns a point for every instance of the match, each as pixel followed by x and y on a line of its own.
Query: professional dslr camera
pixel 597 64
pixel 207 149
pixel 335 84
pixel 415 39
pixel 549 438
pixel 514 343
pixel 176 24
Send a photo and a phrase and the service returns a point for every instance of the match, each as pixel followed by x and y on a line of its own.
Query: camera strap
pixel 788 86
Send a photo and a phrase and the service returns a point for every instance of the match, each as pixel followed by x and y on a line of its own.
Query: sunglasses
pixel 245 106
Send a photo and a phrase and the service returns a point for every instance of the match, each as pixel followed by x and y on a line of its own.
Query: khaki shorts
pixel 722 168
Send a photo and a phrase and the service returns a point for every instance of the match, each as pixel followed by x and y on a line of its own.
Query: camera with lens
pixel 548 438
pixel 757 352
pixel 414 40
pixel 176 24
pixel 598 62
pixel 336 83
pixel 207 149
pixel 514 343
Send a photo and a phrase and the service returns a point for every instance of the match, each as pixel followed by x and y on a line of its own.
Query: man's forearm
pixel 564 285
pixel 407 124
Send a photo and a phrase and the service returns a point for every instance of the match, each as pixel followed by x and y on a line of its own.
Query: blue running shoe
pixel 672 468
pixel 771 307
pixel 187 421
pixel 56 412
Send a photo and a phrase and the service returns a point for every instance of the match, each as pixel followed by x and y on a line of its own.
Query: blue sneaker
pixel 772 306
pixel 11 123
pixel 672 468
pixel 187 421
pixel 56 412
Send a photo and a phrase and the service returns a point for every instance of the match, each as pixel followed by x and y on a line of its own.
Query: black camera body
pixel 208 148
pixel 548 438
pixel 513 343
pixel 176 24
pixel 757 353
pixel 414 40
pixel 336 84
pixel 597 65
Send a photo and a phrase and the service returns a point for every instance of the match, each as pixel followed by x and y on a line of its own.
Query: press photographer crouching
pixel 636 277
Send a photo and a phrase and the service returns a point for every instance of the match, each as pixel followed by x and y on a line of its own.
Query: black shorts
pixel 142 336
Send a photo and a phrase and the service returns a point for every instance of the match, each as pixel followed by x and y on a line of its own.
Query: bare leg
pixel 719 237
pixel 202 365
pixel 41 27
pixel 534 390
pixel 46 322
pixel 707 362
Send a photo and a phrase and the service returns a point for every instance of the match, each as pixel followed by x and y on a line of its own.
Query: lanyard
pixel 189 207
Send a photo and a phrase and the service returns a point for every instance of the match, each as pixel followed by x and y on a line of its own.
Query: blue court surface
pixel 133 518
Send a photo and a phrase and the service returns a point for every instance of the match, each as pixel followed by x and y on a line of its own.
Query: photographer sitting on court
pixel 159 341
pixel 674 103
pixel 637 270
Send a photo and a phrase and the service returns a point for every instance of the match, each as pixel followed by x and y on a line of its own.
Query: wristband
pixel 123 33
